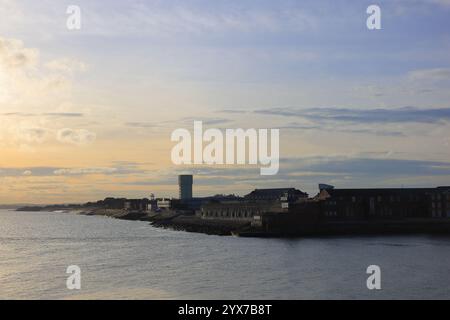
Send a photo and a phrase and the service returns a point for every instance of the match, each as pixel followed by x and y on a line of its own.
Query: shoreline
pixel 181 221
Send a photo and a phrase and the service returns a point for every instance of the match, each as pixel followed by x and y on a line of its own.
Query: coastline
pixel 169 219
pixel 181 221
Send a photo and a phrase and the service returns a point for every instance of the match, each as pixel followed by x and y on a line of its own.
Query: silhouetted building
pixel 163 203
pixel 112 203
pixel 238 210
pixel 288 194
pixel 440 202
pixel 137 204
pixel 363 204
pixel 257 203
pixel 185 183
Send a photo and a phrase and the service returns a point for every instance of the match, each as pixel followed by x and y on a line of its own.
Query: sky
pixel 86 114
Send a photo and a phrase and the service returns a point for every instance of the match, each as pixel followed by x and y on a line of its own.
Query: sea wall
pixel 195 224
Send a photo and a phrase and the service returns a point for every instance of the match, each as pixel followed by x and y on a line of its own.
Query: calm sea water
pixel 132 260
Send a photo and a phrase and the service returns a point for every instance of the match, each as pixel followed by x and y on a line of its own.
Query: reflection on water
pixel 132 260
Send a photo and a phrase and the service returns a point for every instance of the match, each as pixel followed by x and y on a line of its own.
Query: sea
pixel 120 259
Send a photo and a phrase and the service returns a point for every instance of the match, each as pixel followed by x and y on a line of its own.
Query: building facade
pixel 366 204
pixel 238 210
pixel 137 204
pixel 440 202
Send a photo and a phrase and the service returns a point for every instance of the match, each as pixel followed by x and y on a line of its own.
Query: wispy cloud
pixel 185 121
pixel 394 115
pixel 84 171
pixel 76 136
pixel 48 114
pixel 436 74
pixel 118 169
pixel 232 111
pixel 370 131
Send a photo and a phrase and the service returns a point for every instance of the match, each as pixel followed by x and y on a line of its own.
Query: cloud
pixel 366 166
pixel 36 135
pixel 48 114
pixel 232 111
pixel 365 116
pixel 206 121
pixel 160 19
pixel 117 168
pixel 14 55
pixel 186 121
pixel 437 74
pixel 142 125
pixel 66 65
pixel 377 132
pixel 77 137
pixel 122 168
pixel 24 172
pixel 63 114
pixel 85 171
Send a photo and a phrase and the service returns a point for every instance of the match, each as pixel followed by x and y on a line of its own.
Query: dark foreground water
pixel 132 260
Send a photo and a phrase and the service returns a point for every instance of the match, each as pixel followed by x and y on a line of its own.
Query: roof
pixel 274 192
pixel 381 191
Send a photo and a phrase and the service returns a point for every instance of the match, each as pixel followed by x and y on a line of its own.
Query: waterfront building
pixel 440 202
pixel 393 203
pixel 112 203
pixel 136 204
pixel 256 203
pixel 238 210
pixel 163 204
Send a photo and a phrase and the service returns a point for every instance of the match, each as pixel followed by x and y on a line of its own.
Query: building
pixel 137 204
pixel 257 203
pixel 185 183
pixel 440 202
pixel 238 210
pixel 393 203
pixel 288 194
pixel 112 203
pixel 163 203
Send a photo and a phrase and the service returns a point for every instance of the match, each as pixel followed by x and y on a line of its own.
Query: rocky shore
pixel 194 224
pixel 174 220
